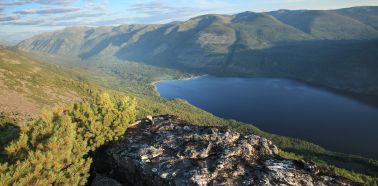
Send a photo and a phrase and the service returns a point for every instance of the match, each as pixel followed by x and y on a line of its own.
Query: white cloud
pixel 47 11
pixel 10 3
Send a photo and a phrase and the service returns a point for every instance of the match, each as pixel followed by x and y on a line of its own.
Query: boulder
pixel 101 180
pixel 170 151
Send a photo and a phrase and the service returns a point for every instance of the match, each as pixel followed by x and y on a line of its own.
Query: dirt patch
pixel 22 100
pixel 16 102
pixel 12 101
pixel 63 96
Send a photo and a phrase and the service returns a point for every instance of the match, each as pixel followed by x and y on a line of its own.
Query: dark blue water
pixel 290 108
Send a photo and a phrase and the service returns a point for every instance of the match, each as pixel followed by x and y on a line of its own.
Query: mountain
pixel 366 15
pixel 208 34
pixel 333 48
pixel 329 24
pixel 211 33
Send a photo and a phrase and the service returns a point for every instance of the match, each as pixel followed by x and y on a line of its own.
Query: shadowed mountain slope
pixel 307 45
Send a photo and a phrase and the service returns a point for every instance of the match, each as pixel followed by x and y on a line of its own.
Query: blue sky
pixel 22 18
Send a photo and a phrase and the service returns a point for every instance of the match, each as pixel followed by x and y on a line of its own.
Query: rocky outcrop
pixel 170 151
pixel 100 180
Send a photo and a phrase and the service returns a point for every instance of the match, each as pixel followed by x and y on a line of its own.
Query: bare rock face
pixel 100 180
pixel 169 151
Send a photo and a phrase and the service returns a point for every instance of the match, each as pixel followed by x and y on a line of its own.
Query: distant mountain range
pixel 335 48
pixel 6 43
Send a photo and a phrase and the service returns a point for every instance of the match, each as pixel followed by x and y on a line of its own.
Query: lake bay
pixel 285 107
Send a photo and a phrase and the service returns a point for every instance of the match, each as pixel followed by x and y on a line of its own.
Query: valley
pixel 302 50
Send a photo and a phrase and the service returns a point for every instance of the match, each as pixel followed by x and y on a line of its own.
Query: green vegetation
pixel 103 121
pixel 54 148
pixel 8 132
pixel 121 78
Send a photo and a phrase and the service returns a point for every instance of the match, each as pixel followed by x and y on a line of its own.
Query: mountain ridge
pixel 297 44
pixel 276 16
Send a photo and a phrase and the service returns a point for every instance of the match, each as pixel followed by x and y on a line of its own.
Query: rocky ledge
pixel 165 150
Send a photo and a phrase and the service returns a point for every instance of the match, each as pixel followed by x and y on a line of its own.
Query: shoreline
pixel 361 97
pixel 184 79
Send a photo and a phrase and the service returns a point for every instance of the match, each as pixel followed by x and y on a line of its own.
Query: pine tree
pixel 53 149
pixel 49 151
pixel 104 120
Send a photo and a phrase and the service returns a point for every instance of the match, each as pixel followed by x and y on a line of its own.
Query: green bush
pixel 8 132
pixel 103 121
pixel 53 149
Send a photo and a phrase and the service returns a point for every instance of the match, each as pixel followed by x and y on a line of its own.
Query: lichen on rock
pixel 165 150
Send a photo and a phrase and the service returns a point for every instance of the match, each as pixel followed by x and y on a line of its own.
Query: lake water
pixel 286 107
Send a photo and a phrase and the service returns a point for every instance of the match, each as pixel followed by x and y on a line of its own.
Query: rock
pixel 150 118
pixel 135 124
pixel 101 180
pixel 170 151
pixel 164 175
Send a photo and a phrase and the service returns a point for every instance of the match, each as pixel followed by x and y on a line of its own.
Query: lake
pixel 286 107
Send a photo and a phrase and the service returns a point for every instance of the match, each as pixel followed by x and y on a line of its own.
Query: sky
pixel 20 19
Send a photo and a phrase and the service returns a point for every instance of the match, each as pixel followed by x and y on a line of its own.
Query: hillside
pixel 5 43
pixel 330 25
pixel 210 33
pixel 27 85
pixel 366 15
pixel 299 44
pixel 134 79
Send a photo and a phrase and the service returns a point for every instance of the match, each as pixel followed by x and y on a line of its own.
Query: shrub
pixel 53 149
